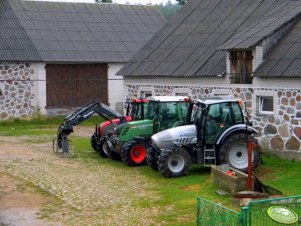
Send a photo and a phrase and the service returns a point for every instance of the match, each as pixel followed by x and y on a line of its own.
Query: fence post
pixel 244 215
pixel 198 223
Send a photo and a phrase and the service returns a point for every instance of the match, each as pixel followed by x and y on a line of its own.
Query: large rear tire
pixel 100 147
pixel 133 153
pixel 94 139
pixel 234 152
pixel 174 163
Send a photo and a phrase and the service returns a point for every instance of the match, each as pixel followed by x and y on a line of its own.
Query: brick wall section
pixel 16 90
pixel 279 132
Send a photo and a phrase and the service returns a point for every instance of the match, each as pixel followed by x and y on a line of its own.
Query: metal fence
pixel 210 213
pixel 270 212
pixel 288 209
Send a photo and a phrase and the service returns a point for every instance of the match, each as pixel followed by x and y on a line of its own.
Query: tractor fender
pixel 142 139
pixel 235 129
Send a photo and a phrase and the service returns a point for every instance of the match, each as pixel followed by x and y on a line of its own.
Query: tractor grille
pixel 182 140
pixel 125 131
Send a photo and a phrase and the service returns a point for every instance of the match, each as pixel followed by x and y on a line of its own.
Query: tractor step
pixel 209 157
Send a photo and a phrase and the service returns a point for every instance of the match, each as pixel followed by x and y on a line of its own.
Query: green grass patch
pixel 177 196
pixel 40 125
pixel 281 174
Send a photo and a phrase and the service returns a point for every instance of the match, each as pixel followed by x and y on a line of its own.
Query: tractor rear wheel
pixel 174 163
pixel 133 153
pixel 152 158
pixel 100 147
pixel 94 141
pixel 234 152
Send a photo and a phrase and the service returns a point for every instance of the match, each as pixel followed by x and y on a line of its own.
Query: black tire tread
pixel 163 162
pixel 223 157
pixel 152 158
pixel 100 143
pixel 94 141
pixel 126 154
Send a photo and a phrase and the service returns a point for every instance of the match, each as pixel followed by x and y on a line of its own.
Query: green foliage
pixel 182 2
pixel 168 10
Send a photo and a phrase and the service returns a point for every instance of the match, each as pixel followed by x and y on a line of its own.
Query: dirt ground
pixel 39 188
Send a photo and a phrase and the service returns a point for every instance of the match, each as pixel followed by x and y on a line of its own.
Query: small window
pixel 266 105
pixel 145 94
pixel 182 94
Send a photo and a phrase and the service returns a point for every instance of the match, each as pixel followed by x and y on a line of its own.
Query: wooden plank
pixel 73 85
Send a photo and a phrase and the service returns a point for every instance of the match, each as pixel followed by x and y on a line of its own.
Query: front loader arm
pixel 79 116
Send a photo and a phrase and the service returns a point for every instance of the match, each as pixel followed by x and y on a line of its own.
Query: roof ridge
pixel 223 47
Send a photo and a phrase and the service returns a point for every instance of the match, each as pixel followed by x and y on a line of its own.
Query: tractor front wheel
pixel 174 163
pixel 100 147
pixel 107 148
pixel 94 141
pixel 234 152
pixel 152 158
pixel 134 153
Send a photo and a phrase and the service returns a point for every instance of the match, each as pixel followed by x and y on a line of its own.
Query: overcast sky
pixel 144 2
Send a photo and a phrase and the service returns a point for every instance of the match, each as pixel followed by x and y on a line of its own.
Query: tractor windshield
pixel 167 114
pixel 139 110
pixel 172 114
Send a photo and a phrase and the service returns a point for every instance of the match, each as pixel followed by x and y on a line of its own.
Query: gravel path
pixel 86 194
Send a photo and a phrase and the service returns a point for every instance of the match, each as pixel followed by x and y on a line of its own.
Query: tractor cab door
pixel 219 119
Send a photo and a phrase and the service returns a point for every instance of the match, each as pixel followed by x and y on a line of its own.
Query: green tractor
pixel 132 139
pixel 134 111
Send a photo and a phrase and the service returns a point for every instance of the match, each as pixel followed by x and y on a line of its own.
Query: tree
pixel 104 1
pixel 181 2
pixel 168 10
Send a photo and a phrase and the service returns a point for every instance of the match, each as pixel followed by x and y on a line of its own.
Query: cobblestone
pixel 97 195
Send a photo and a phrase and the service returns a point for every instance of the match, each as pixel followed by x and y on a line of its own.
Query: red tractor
pixel 134 111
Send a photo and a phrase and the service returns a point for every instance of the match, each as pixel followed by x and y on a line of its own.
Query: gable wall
pixel 115 87
pixel 279 133
pixel 17 89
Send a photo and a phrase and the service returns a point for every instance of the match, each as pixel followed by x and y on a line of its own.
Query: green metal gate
pixel 210 213
pixel 257 213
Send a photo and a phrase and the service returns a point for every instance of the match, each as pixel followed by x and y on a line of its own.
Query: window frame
pixel 145 90
pixel 261 105
pixel 256 99
pixel 181 92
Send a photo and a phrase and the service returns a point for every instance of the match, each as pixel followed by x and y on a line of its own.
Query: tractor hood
pixel 176 136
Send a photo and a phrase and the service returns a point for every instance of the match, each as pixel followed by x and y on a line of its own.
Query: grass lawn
pixel 177 194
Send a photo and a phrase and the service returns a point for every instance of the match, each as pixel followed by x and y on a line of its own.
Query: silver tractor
pixel 219 135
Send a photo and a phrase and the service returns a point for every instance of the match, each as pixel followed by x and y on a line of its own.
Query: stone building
pixel 248 49
pixel 55 56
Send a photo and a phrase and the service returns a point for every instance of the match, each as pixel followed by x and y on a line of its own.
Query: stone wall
pixel 16 87
pixel 279 133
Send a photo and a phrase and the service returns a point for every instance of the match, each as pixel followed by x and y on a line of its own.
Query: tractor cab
pixel 160 113
pixel 214 117
pixel 131 139
pixel 136 108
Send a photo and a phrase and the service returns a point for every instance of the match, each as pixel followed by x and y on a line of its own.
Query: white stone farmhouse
pixel 249 49
pixel 56 55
